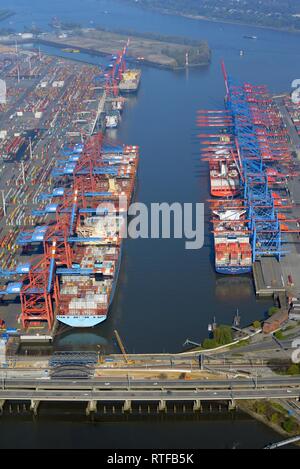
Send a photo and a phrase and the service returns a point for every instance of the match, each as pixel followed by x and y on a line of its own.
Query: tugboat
pixel 112 120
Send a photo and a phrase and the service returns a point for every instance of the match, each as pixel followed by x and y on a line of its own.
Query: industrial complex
pixel 61 180
pixel 253 158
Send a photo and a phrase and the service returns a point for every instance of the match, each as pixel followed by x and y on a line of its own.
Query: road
pixel 289 123
pixel 147 395
pixel 118 383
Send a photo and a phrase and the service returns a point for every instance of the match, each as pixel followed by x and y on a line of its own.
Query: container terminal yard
pixel 252 148
pixel 60 259
pixel 60 184
pixel 62 222
pixel 61 246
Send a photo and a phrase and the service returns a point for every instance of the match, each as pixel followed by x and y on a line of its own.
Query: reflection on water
pixel 70 429
pixel 239 287
pixel 75 340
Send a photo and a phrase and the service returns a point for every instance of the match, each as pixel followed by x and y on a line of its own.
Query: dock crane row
pixel 91 178
pixel 250 157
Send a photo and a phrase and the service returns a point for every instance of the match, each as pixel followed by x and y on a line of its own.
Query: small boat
pixel 112 120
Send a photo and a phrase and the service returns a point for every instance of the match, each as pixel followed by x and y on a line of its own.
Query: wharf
pixel 49 100
pixel 268 277
pixel 290 263
pixel 294 137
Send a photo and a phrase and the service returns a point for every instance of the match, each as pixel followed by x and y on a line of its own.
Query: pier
pixel 268 277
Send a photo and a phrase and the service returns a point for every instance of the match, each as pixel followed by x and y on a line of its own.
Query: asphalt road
pixel 117 383
pixel 152 395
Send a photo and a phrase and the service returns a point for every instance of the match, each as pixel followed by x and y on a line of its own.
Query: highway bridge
pixel 127 396
pixel 7 383
pixel 127 391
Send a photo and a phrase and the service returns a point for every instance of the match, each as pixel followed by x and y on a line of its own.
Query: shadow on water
pixel 61 426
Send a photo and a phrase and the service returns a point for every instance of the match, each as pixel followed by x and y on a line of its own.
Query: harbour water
pixel 166 293
pixel 70 431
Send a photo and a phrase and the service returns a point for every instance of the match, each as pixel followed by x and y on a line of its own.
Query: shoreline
pixel 217 20
pixel 99 53
pixel 239 23
pixel 245 407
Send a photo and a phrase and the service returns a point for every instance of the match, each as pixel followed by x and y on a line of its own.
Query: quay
pixel 268 277
pixel 60 110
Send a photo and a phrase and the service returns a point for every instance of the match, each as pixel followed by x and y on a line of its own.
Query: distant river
pixel 167 294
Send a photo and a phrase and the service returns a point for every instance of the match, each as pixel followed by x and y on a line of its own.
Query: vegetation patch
pixel 281 14
pixel 222 335
pixel 276 415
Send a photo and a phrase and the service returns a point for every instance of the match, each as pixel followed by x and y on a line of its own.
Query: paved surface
pixel 118 383
pixel 144 395
pixel 289 123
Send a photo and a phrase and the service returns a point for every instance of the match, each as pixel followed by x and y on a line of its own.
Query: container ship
pixel 87 289
pixel 130 81
pixel 85 298
pixel 233 252
pixel 224 178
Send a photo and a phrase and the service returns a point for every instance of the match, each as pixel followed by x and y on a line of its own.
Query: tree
pixel 273 310
pixel 293 370
pixel 261 408
pixel 257 325
pixel 275 419
pixel 289 425
pixel 209 343
pixel 223 335
pixel 279 335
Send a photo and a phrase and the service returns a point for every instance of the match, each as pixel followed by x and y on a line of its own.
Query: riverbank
pixel 238 23
pixel 272 415
pixel 162 53
pixel 155 52
pixel 211 19
pixel 101 53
